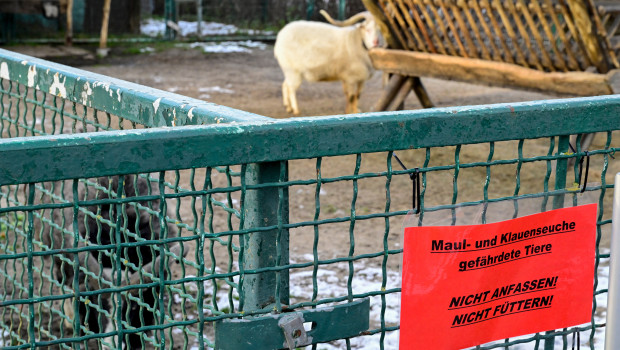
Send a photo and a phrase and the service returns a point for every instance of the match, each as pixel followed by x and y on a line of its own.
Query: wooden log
pixel 398 103
pixel 421 93
pixel 392 88
pixel 488 72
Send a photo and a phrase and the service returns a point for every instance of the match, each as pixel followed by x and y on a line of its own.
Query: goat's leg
pixel 352 93
pixel 292 81
pixel 286 98
pixel 347 95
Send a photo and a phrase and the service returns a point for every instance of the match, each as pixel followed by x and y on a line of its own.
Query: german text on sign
pixel 468 285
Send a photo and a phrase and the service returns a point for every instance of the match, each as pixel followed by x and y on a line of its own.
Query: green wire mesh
pixel 156 259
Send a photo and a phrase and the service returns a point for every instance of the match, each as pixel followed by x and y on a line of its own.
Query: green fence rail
pixel 134 216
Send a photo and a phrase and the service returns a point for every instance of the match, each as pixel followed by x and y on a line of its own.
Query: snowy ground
pixel 157 28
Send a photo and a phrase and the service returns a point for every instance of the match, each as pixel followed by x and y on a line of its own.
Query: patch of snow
pixel 206 28
pixel 216 89
pixel 157 27
pixel 152 27
pixel 227 46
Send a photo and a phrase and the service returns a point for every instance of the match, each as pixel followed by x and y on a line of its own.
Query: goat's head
pixel 366 24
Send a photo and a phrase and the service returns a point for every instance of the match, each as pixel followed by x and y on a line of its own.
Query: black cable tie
pixel 571 147
pixel 416 191
pixel 416 188
pixel 585 180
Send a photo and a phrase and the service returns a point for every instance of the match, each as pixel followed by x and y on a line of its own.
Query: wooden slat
pixel 474 26
pixel 559 58
pixel 455 32
pixel 406 28
pixel 604 43
pixel 534 31
pixel 421 27
pixel 497 5
pixel 508 55
pixel 395 29
pixel 568 19
pixel 572 60
pixel 456 11
pixel 587 34
pixel 531 54
pixel 444 35
pixel 433 28
pixel 481 18
pixel 488 72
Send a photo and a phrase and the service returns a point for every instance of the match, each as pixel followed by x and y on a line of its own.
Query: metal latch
pixel 294 332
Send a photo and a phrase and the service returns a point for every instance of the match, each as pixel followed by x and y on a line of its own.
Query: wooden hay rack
pixel 566 47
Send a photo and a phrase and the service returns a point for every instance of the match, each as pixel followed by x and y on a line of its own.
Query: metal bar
pixel 561 171
pixel 342 5
pixel 265 207
pixel 612 339
pixel 33 159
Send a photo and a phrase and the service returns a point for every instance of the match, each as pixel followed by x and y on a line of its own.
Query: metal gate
pixel 135 216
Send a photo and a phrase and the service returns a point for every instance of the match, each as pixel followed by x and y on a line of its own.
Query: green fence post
pixel 267 206
pixel 309 9
pixel 170 15
pixel 342 4
pixel 265 11
pixel 561 171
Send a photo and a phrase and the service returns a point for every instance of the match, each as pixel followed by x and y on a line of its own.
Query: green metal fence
pixel 134 216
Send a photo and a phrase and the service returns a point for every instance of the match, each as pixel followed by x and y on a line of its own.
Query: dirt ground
pixel 252 82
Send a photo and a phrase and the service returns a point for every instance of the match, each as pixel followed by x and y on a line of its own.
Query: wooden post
pixel 103 40
pixel 199 17
pixel 587 35
pixel 421 93
pixel 69 34
pixel 398 103
pixel 390 91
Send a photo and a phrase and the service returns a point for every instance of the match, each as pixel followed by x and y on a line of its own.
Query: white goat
pixel 317 51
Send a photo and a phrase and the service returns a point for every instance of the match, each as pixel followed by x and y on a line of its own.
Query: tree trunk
pixel 103 40
pixel 69 34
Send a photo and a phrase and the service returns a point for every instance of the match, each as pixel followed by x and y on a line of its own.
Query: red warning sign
pixel 469 285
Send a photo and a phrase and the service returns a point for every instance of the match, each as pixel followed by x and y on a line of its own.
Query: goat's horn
pixel 347 22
